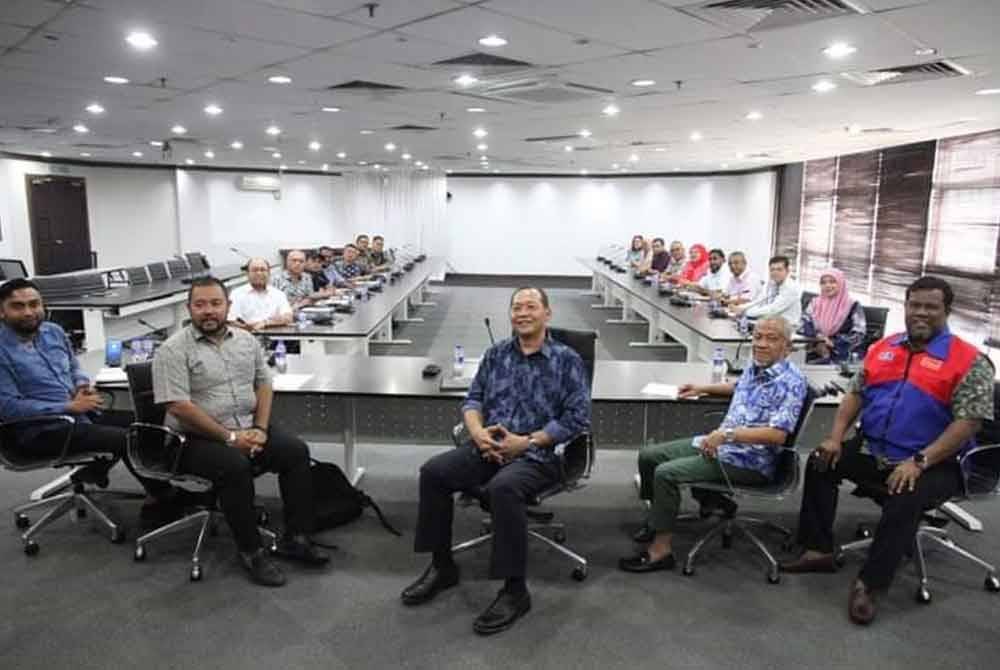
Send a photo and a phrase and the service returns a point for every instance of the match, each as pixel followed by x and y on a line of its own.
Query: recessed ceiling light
pixel 282 167
pixel 315 146
pixel 178 130
pixel 280 79
pixel 584 171
pixel 677 169
pixel 331 109
pixel 483 158
pixel 853 129
pixel 236 144
pixel 95 108
pixel 482 147
pixel 585 133
pixel 614 166
pixel 137 154
pixel 724 166
pixel 475 110
pixel 492 41
pixel 362 162
pixel 47 154
pixel 80 128
pixel 213 109
pixel 634 158
pixel 480 133
pixel 740 156
pixel 113 79
pixel 660 149
pixel 140 40
pixel 642 83
pixel 45 131
pixel 273 131
pixel 325 167
pixel 568 147
pixel 839 50
pixel 465 80
pixel 418 163
pixel 610 110
pixel 988 91
pixel 696 136
pixel 406 157
pixel 210 154
pixel 377 166
pixel 341 155
pixel 84 154
pixel 754 116
pixel 389 146
pixel 302 162
pixel 823 86
pixel 189 161
pixel 155 143
pixel 276 154
pixel 425 167
pixel 367 132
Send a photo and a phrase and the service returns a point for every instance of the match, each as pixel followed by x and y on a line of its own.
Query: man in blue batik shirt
pixel 530 394
pixel 765 406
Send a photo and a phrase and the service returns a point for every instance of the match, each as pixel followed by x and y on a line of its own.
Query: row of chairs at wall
pixel 156 452
pixel 99 282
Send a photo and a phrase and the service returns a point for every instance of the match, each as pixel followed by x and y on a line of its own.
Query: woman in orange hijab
pixel 695 268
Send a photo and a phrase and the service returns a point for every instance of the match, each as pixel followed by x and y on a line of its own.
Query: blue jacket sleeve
pixel 14 405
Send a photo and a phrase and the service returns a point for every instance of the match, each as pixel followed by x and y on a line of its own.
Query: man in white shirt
pixel 783 297
pixel 744 284
pixel 716 279
pixel 258 304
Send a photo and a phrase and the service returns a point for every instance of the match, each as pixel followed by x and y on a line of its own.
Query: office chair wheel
pixel 117 536
pixel 559 536
pixel 263 518
pixel 788 546
pixel 140 554
pixel 773 578
pixel 991 584
pixel 80 513
pixel 579 573
pixel 727 539
pixel 21 521
pixel 839 559
pixel 195 573
pixel 923 596
pixel 688 571
pixel 31 548
pixel 863 532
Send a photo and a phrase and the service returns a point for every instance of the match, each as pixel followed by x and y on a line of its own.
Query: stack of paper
pixel 668 391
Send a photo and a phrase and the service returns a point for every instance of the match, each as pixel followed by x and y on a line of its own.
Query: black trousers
pixel 901 512
pixel 105 433
pixel 232 472
pixel 508 488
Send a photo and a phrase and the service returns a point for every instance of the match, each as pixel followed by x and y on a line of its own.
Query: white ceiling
pixel 54 54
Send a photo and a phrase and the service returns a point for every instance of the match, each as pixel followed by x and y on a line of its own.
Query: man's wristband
pixel 260 428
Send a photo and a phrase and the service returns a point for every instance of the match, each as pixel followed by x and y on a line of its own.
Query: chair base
pixel 729 527
pixel 937 536
pixel 206 521
pixel 535 531
pixel 77 500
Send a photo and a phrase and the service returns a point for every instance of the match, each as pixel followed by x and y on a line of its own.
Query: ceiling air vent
pixel 412 128
pixel 363 86
pixel 554 138
pixel 477 59
pixel 757 15
pixel 545 92
pixel 906 74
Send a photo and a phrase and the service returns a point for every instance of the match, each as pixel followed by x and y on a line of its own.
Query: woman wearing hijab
pixel 695 268
pixel 835 319
pixel 637 253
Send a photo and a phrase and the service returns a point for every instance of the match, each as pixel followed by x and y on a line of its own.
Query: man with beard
pixel 257 304
pixel 716 279
pixel 217 389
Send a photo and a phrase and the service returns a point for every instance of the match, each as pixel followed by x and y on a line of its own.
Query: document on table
pixel 111 376
pixel 668 391
pixel 290 382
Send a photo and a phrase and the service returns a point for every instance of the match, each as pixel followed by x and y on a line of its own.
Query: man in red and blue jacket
pixel 922 396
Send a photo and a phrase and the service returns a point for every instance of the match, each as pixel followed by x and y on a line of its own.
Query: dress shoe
pixel 644 535
pixel 860 604
pixel 261 569
pixel 802 564
pixel 502 612
pixel 300 548
pixel 641 562
pixel 433 581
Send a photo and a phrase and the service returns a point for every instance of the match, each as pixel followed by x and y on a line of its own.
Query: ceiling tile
pixel 30 13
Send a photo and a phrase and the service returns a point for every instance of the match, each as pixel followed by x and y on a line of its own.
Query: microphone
pixel 489 330
pixel 151 327
pixel 240 253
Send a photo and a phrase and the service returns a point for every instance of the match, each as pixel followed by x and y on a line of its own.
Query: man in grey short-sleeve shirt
pixel 216 385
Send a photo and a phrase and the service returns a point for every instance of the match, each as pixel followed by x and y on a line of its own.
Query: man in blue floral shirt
pixel 530 394
pixel 765 406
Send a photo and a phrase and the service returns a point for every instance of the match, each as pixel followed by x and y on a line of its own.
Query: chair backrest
pixel 178 267
pixel 140 386
pixel 875 318
pixel 154 452
pixel 807 297
pixel 137 275
pixel 157 271
pixel 786 471
pixel 982 464
pixel 583 342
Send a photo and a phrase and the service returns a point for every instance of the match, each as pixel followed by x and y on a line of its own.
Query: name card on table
pixel 668 391
pixel 290 382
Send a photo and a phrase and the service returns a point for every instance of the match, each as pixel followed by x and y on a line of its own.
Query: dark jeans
pixel 105 434
pixel 508 488
pixel 901 512
pixel 232 472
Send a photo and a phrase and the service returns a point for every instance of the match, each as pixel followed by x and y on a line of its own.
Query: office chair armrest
pixel 168 458
pixel 460 435
pixel 985 479
pixel 8 430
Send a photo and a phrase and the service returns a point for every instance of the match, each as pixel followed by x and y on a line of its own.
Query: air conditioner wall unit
pixel 259 182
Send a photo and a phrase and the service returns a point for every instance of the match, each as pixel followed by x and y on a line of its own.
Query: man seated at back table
pixel 295 282
pixel 782 296
pixel 350 266
pixel 257 304
pixel 658 261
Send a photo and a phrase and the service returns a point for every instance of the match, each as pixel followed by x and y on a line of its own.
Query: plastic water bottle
pixel 280 359
pixel 137 351
pixel 458 363
pixel 302 320
pixel 148 349
pixel 718 366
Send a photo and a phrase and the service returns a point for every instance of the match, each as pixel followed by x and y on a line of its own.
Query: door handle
pixel 59 241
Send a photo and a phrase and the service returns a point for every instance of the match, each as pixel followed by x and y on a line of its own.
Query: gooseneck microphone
pixel 489 330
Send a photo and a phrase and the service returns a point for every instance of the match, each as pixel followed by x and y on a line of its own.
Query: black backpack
pixel 336 502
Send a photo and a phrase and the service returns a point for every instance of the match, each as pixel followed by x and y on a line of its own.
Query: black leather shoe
pixel 261 569
pixel 299 548
pixel 429 584
pixel 502 612
pixel 644 535
pixel 642 563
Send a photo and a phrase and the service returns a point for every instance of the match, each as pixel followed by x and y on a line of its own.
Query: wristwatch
pixel 231 440
pixel 532 444
pixel 730 434
pixel 920 460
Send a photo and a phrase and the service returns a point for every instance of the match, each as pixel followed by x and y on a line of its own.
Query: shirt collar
pixel 545 351
pixel 10 338
pixel 201 337
pixel 937 347
pixel 772 371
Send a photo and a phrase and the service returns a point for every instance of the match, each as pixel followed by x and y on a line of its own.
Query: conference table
pixel 114 311
pixel 691 327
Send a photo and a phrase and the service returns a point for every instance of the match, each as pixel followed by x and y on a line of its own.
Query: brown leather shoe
pixel 860 604
pixel 802 564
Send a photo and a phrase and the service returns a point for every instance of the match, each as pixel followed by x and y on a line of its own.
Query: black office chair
pixel 875 318
pixel 576 461
pixel 981 466
pixel 155 452
pixel 786 480
pixel 806 298
pixel 78 498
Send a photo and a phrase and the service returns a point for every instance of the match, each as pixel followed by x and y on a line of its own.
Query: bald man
pixel 257 304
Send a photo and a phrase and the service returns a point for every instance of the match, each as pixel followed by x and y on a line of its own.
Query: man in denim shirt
pixel 765 407
pixel 40 376
pixel 529 395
